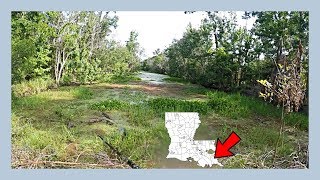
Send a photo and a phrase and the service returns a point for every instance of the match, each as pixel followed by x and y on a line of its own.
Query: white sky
pixel 157 29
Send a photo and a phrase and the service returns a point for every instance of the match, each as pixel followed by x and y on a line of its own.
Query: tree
pixel 132 43
pixel 79 36
pixel 69 47
pixel 280 31
pixel 134 48
pixel 64 41
pixel 217 47
pixel 30 48
pixel 92 29
pixel 156 63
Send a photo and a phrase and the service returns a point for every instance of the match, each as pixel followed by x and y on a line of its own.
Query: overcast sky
pixel 157 29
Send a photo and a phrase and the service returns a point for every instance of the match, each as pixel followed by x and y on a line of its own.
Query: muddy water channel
pixel 152 78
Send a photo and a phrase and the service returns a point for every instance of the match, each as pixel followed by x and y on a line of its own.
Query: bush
pixel 31 87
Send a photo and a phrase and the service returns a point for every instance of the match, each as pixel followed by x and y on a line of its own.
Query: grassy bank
pixel 62 125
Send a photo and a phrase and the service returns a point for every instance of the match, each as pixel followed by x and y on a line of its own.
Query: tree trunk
pixel 57 66
pixel 216 40
pixel 61 59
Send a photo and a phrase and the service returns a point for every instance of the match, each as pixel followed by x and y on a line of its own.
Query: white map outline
pixel 182 127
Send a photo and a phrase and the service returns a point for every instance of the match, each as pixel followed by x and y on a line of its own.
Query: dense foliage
pixel 69 47
pixel 223 55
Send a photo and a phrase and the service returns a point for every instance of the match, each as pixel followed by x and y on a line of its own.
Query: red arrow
pixel 222 149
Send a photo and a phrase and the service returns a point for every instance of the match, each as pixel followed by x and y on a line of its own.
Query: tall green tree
pixel 30 32
pixel 281 31
pixel 134 48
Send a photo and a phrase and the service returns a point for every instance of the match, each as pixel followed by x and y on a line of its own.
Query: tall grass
pixel 158 105
pixel 138 145
pixel 237 106
pixel 229 105
pixel 35 86
pixel 162 105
